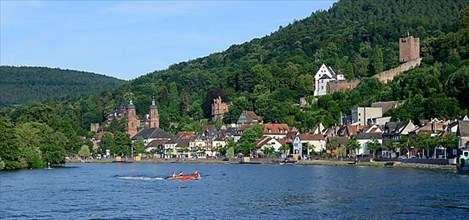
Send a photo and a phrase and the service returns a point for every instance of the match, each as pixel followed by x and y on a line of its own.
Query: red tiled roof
pixel 282 141
pixel 275 128
pixel 311 137
pixel 185 134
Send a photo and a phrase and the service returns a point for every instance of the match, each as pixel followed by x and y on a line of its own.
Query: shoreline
pixel 378 164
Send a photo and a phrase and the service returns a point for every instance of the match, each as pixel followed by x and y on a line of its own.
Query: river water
pixel 232 191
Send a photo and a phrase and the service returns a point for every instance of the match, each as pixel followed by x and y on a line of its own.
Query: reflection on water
pixel 232 192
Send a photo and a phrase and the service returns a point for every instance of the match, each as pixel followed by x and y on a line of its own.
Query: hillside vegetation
pixel 26 85
pixel 268 75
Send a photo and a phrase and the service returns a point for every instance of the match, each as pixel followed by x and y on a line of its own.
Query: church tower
pixel 154 116
pixel 131 120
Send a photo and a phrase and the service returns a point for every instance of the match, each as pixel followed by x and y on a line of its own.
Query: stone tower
pixel 154 116
pixel 409 49
pixel 131 120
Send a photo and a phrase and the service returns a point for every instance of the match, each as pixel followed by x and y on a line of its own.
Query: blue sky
pixel 126 39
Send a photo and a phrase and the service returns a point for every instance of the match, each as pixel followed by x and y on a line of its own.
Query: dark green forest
pixel 268 75
pixel 26 85
pixel 359 38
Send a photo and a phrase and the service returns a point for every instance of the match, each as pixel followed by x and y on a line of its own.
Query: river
pixel 232 191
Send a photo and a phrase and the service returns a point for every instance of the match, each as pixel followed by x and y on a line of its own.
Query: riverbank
pixel 447 168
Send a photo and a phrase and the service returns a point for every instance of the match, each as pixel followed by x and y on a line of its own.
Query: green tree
pixel 333 145
pixel 53 154
pixel 377 63
pixel 122 144
pixel 285 149
pixel 84 151
pixel 353 146
pixel 248 140
pixel 106 143
pixel 173 107
pixel 139 145
pixel 393 146
pixel 373 145
pixel 9 150
pixel 230 152
pixel 423 142
pixel 268 151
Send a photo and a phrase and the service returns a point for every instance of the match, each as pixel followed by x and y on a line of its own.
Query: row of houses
pixel 318 140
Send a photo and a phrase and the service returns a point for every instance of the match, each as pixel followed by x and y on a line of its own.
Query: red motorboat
pixel 185 177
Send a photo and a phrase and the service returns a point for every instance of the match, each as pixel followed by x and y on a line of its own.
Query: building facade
pixel 361 115
pixel 219 108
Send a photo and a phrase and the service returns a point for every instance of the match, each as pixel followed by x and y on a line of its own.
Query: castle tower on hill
pixel 154 116
pixel 409 49
pixel 131 120
pixel 219 108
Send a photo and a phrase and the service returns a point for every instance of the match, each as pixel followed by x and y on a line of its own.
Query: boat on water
pixel 185 177
pixel 463 162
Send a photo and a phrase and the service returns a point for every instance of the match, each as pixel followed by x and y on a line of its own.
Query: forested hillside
pixel 26 85
pixel 269 74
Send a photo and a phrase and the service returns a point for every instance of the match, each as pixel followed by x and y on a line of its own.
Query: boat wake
pixel 139 178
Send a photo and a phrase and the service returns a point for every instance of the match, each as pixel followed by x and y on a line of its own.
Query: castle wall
pixel 388 75
pixel 342 85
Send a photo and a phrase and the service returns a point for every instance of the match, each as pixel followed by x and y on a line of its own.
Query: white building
pixel 361 115
pixel 324 75
pixel 365 138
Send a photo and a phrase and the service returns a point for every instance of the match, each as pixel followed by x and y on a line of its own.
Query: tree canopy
pixel 27 85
